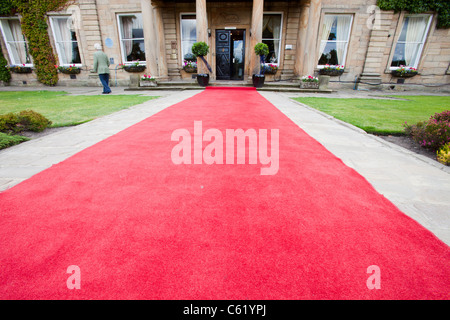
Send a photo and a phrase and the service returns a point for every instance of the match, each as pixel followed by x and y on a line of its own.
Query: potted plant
pixel 332 70
pixel 404 72
pixel 200 50
pixel 72 69
pixel 309 82
pixel 261 49
pixel 135 66
pixel 147 81
pixel 20 68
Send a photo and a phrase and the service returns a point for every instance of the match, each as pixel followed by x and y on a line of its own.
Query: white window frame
pixel 422 43
pixel 56 42
pixel 8 48
pixel 321 66
pixel 181 31
pixel 122 49
pixel 281 35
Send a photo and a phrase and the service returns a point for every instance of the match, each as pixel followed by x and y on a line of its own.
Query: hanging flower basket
pixel 404 72
pixel 133 67
pixel 20 69
pixel 270 68
pixel 190 66
pixel 331 70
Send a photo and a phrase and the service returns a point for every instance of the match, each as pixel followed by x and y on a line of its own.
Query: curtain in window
pixel 127 34
pixel 272 35
pixel 188 34
pixel 15 41
pixel 342 34
pixel 414 33
pixel 63 39
pixel 326 29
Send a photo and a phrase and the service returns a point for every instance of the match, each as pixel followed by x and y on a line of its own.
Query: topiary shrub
pixel 33 121
pixel 432 134
pixel 443 154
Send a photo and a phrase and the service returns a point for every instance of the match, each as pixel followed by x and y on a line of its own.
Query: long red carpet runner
pixel 177 207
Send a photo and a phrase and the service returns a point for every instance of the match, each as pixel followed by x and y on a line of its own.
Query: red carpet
pixel 140 227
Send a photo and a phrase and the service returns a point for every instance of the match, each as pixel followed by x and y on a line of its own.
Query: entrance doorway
pixel 230 54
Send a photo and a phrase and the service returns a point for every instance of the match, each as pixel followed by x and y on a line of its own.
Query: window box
pixel 404 73
pixel 331 71
pixel 269 68
pixel 69 69
pixel 20 69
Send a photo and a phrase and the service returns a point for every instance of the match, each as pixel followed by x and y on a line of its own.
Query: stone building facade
pixel 303 36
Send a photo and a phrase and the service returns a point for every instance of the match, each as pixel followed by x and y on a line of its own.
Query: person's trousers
pixel 104 79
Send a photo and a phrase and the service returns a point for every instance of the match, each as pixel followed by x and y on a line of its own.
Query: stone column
pixel 307 58
pixel 161 40
pixel 202 30
pixel 255 35
pixel 301 40
pixel 150 37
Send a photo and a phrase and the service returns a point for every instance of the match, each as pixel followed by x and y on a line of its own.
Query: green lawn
pixel 64 109
pixel 380 116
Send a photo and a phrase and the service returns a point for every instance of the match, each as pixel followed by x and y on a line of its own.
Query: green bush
pixel 261 49
pixel 443 154
pixel 7 140
pixel 200 49
pixel 24 120
pixel 9 123
pixel 5 74
pixel 33 121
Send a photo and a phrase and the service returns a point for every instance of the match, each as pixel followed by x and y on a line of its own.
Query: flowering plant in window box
pixel 269 68
pixel 72 69
pixel 332 70
pixel 190 66
pixel 147 81
pixel 134 66
pixel 309 82
pixel 20 68
pixel 404 72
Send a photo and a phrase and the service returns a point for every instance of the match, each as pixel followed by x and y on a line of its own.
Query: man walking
pixel 101 66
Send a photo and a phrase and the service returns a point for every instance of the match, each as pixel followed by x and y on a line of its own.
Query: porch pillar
pixel 306 59
pixel 255 35
pixel 161 40
pixel 202 30
pixel 151 41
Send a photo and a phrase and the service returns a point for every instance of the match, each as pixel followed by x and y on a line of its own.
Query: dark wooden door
pixel 223 53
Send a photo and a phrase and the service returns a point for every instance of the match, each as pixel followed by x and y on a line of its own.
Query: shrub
pixel 25 120
pixel 7 140
pixel 33 121
pixel 200 49
pixel 9 123
pixel 432 134
pixel 443 155
pixel 5 74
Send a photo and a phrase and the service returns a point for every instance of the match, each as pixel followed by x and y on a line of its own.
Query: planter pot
pixel 309 85
pixel 134 68
pixel 258 80
pixel 21 69
pixel 148 84
pixel 399 74
pixel 73 71
pixel 190 69
pixel 203 79
pixel 331 72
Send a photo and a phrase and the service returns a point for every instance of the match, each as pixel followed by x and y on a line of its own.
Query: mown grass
pixel 381 116
pixel 64 109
